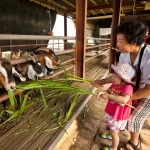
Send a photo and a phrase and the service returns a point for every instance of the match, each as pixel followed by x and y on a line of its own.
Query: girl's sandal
pixel 105 135
pixel 107 148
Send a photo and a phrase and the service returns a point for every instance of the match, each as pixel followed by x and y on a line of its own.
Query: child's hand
pixel 105 96
pixel 99 94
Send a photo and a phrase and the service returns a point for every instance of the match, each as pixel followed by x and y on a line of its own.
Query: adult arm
pixel 141 93
pixel 144 92
pixel 98 83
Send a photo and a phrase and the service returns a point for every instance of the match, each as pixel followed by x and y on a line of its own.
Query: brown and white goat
pixel 6 74
pixel 31 69
pixel 47 59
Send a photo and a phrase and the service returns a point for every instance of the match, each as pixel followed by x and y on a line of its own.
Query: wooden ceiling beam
pixel 50 4
pixel 56 4
pixel 44 4
pixel 102 17
pixel 104 6
pixel 93 1
pixel 106 1
pixel 69 3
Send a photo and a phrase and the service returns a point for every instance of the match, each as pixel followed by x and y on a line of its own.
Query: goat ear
pixel 44 70
pixel 48 62
pixel 31 73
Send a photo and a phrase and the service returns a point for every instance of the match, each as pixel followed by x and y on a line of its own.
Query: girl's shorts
pixel 115 124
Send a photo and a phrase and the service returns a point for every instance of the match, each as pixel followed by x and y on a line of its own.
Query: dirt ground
pixel 84 132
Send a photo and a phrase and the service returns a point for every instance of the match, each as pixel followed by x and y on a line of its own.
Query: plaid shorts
pixel 139 115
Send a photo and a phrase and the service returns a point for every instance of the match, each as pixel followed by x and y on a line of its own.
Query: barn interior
pixel 26 25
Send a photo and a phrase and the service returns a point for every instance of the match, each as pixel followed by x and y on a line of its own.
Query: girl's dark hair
pixel 134 31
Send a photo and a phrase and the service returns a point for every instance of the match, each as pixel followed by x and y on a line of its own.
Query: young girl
pixel 118 95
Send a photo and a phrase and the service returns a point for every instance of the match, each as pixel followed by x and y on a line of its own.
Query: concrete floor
pixel 84 132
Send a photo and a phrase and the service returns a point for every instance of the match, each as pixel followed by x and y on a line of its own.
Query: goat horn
pixel 31 57
pixel 43 49
pixel 35 57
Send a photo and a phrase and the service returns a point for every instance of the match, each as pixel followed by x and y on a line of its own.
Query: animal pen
pixel 18 126
pixel 51 87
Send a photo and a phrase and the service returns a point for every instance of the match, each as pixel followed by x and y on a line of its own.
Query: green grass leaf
pixel 12 99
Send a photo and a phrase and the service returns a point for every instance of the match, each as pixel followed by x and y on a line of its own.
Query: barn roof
pixel 101 9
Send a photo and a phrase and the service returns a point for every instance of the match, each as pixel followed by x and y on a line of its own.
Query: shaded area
pixel 25 18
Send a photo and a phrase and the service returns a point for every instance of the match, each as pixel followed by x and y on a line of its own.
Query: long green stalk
pixel 23 106
pixel 43 98
pixel 70 109
pixel 12 99
pixel 55 86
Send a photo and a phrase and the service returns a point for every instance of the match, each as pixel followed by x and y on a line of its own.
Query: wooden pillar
pixel 115 22
pixel 65 30
pixel 81 14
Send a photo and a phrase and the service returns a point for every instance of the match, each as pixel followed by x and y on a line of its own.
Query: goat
pixel 31 69
pixel 47 59
pixel 6 74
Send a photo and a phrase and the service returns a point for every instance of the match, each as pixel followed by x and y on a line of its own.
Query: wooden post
pixel 65 30
pixel 115 22
pixel 81 14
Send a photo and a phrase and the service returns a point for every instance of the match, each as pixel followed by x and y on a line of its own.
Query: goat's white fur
pixel 32 74
pixel 44 70
pixel 48 62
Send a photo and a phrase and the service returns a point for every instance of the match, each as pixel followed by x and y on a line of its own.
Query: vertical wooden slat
pixel 65 30
pixel 115 22
pixel 81 13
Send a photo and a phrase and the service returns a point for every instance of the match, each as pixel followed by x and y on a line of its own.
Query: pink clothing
pixel 115 110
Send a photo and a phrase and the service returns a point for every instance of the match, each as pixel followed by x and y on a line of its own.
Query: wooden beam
pixel 65 30
pixel 106 1
pixel 102 17
pixel 54 3
pixel 69 3
pixel 115 22
pixel 95 3
pixel 33 37
pixel 81 13
pixel 44 4
pixel 104 6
